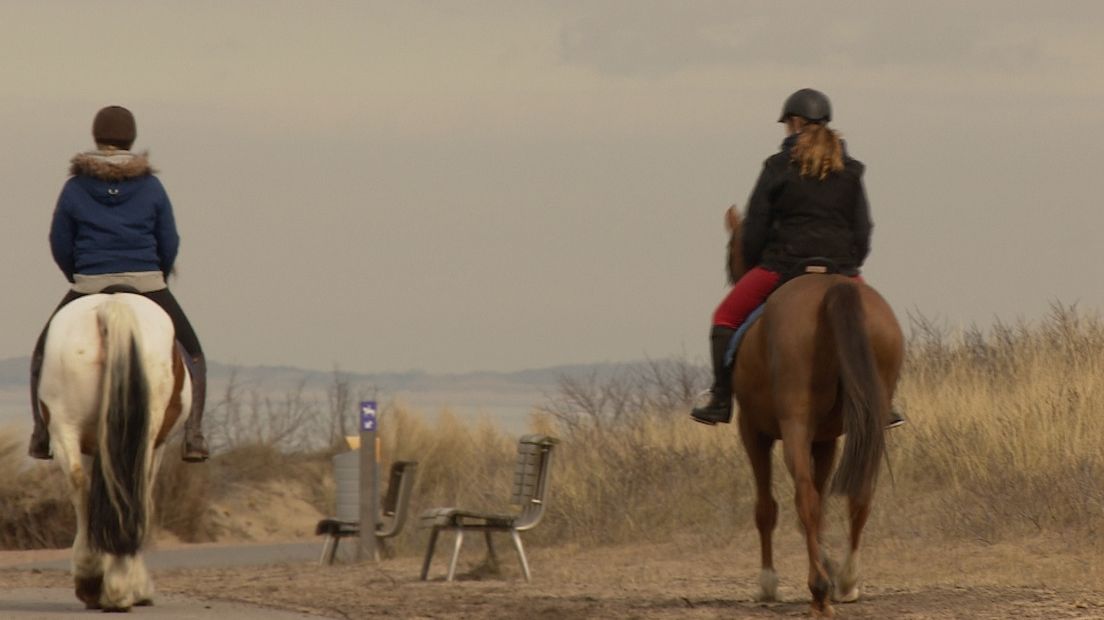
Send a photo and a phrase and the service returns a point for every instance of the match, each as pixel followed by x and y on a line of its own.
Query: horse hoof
pixel 823 612
pixel 768 586
pixel 116 610
pixel 88 590
pixel 849 596
pixel 144 602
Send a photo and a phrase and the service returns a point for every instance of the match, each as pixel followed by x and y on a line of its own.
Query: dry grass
pixel 34 508
pixel 1005 437
pixel 1008 427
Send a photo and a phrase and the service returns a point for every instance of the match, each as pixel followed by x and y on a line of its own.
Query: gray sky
pixel 456 186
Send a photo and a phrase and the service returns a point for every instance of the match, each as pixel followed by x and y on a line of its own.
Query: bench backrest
pixel 531 478
pixel 397 499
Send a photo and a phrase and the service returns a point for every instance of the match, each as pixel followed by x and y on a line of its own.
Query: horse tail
pixel 861 390
pixel 118 502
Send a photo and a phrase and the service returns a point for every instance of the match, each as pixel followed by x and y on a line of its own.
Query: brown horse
pixel 822 361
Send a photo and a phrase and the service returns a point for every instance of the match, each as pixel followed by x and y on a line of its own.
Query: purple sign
pixel 368 415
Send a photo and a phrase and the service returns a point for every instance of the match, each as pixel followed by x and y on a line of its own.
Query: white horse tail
pixel 118 503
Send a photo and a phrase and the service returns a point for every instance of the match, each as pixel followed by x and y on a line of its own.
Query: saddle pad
pixel 734 344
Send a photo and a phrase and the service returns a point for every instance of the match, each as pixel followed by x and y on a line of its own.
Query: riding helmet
pixel 114 126
pixel 811 105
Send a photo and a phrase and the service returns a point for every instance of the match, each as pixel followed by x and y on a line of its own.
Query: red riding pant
pixel 750 292
pixel 746 295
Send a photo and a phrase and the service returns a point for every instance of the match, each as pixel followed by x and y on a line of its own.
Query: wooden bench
pixel 346 519
pixel 529 488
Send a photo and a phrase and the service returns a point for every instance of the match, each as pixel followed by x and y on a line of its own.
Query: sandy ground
pixel 1038 578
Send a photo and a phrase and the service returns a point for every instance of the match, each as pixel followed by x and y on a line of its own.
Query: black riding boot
pixel 40 437
pixel 195 445
pixel 719 408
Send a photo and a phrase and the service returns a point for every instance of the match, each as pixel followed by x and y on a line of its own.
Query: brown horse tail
pixel 861 390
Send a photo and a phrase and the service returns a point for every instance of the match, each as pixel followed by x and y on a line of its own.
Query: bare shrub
pixel 618 397
pixel 339 397
pixel 182 496
pixel 35 512
pixel 247 416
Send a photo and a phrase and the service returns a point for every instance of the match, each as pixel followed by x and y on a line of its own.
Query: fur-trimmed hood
pixel 113 216
pixel 111 165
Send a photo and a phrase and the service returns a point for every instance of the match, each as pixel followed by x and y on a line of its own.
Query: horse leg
pixel 143 594
pixel 87 565
pixel 798 456
pixel 140 577
pixel 848 586
pixel 824 455
pixel 143 585
pixel 758 448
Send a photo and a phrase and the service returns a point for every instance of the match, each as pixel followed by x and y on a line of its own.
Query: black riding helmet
pixel 811 105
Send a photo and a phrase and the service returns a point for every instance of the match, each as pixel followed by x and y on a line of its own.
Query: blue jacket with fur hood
pixel 113 216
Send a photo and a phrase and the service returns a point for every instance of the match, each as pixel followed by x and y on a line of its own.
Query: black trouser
pixel 184 332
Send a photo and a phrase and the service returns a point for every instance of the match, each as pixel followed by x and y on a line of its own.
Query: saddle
pixel 119 288
pixel 820 265
pixel 816 265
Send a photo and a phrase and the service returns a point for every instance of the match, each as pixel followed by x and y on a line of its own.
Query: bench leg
pixel 492 557
pixel 429 553
pixel 329 549
pixel 455 553
pixel 385 550
pixel 521 553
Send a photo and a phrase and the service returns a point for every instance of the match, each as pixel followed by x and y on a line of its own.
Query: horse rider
pixel 113 227
pixel 809 202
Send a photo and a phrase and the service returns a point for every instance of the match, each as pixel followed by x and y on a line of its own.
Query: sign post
pixel 369 481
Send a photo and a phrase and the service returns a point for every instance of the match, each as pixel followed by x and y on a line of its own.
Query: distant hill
pixel 507 397
pixel 13 374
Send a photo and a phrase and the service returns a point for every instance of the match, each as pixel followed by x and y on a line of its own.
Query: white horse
pixel 112 388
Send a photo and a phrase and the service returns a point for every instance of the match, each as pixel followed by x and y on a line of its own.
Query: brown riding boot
pixel 40 437
pixel 195 445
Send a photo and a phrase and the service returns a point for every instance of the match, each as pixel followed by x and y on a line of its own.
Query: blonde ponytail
pixel 819 151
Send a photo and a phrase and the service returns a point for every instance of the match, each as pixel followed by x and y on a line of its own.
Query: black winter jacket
pixel 791 218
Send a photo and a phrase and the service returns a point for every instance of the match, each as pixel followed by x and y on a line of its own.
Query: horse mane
pixel 735 263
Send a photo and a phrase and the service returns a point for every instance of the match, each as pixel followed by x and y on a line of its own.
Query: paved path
pixel 49 603
pixel 208 556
